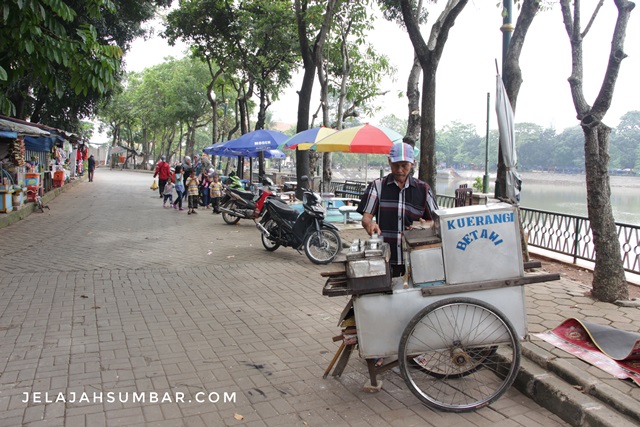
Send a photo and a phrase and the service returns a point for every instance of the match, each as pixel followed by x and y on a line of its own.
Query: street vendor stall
pixel 454 322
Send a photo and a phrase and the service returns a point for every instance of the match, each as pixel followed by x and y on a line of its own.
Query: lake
pixel 545 191
pixel 564 193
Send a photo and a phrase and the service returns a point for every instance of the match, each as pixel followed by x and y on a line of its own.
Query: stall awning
pixel 42 143
pixel 8 125
pixel 8 134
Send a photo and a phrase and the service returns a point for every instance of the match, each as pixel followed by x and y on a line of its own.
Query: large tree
pixel 351 71
pixel 609 283
pixel 625 142
pixel 312 34
pixel 392 12
pixel 429 55
pixel 58 59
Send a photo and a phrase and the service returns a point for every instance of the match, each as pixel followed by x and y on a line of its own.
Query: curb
pixel 572 394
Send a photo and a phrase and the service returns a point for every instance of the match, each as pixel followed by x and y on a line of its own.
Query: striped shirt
pixel 395 209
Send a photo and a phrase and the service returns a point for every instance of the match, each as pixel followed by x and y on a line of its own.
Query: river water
pixel 564 193
pixel 560 193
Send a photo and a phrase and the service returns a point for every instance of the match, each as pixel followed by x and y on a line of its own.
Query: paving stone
pixel 125 297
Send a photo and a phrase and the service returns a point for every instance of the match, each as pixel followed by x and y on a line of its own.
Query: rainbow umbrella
pixel 366 139
pixel 305 139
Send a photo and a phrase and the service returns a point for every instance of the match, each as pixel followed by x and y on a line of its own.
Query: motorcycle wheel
pixel 322 246
pixel 269 244
pixel 228 218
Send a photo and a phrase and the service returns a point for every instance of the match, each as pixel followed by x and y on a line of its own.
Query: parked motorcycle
pixel 237 204
pixel 282 225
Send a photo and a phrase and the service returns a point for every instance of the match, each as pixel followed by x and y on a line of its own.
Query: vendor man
pixel 391 204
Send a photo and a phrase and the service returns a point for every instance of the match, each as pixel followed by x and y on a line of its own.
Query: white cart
pixel 454 323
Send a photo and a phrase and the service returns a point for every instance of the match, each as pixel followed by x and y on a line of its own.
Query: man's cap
pixel 187 158
pixel 163 158
pixel 401 152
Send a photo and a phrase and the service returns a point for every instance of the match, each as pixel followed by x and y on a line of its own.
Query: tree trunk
pixel 429 57
pixel 413 97
pixel 310 57
pixel 428 164
pixel 609 282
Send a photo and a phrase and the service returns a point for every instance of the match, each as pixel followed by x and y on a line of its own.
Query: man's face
pixel 400 170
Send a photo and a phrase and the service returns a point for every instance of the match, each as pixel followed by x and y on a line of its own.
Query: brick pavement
pixel 109 292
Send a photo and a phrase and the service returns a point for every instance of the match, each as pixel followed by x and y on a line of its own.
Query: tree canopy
pixel 57 58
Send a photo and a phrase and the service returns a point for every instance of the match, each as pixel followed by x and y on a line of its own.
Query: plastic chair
pixel 464 196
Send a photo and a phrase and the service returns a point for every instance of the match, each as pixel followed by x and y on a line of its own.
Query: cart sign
pixel 480 243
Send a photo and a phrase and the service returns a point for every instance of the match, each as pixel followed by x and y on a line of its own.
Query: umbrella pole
pixel 366 167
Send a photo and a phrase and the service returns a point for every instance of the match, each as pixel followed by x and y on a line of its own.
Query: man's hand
pixel 370 225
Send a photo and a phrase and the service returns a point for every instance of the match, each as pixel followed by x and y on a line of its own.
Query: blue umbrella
pixel 258 140
pixel 215 149
pixel 268 154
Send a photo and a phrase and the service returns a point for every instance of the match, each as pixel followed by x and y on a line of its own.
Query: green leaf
pixel 3 74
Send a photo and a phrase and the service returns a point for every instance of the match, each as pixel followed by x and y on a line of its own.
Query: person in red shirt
pixel 163 172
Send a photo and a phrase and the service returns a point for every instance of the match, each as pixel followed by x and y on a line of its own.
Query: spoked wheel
pixel 269 244
pixel 322 246
pixel 459 354
pixel 228 218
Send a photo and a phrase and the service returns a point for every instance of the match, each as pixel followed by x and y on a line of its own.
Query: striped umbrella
pixel 305 139
pixel 366 139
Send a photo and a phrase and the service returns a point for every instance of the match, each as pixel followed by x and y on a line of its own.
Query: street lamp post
pixel 485 181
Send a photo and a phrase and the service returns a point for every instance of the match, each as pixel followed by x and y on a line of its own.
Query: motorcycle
pixel 282 225
pixel 237 204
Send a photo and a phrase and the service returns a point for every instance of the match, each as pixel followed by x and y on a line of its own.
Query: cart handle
pixel 492 284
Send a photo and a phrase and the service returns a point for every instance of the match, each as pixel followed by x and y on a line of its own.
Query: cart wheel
pixel 459 354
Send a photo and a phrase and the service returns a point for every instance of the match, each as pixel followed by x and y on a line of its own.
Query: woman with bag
pixel 163 172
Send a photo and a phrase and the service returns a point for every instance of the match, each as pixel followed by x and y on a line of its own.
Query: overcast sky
pixel 467 69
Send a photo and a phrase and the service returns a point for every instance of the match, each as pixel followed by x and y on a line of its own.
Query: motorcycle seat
pixel 284 210
pixel 246 195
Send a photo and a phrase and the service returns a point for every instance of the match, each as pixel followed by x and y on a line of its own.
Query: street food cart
pixel 453 324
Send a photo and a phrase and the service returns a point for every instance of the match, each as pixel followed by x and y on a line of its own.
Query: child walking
pixel 216 193
pixel 168 193
pixel 179 187
pixel 205 181
pixel 192 191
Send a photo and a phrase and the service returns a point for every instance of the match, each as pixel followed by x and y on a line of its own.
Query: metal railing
pixel 570 234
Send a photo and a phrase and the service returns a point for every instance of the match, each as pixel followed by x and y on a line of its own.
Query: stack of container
pixel 32 181
pixel 58 178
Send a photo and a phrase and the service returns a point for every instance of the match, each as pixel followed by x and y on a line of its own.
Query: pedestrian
pixel 192 190
pixel 163 172
pixel 186 171
pixel 91 167
pixel 216 193
pixel 179 187
pixel 205 181
pixel 168 194
pixel 391 204
pixel 196 164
